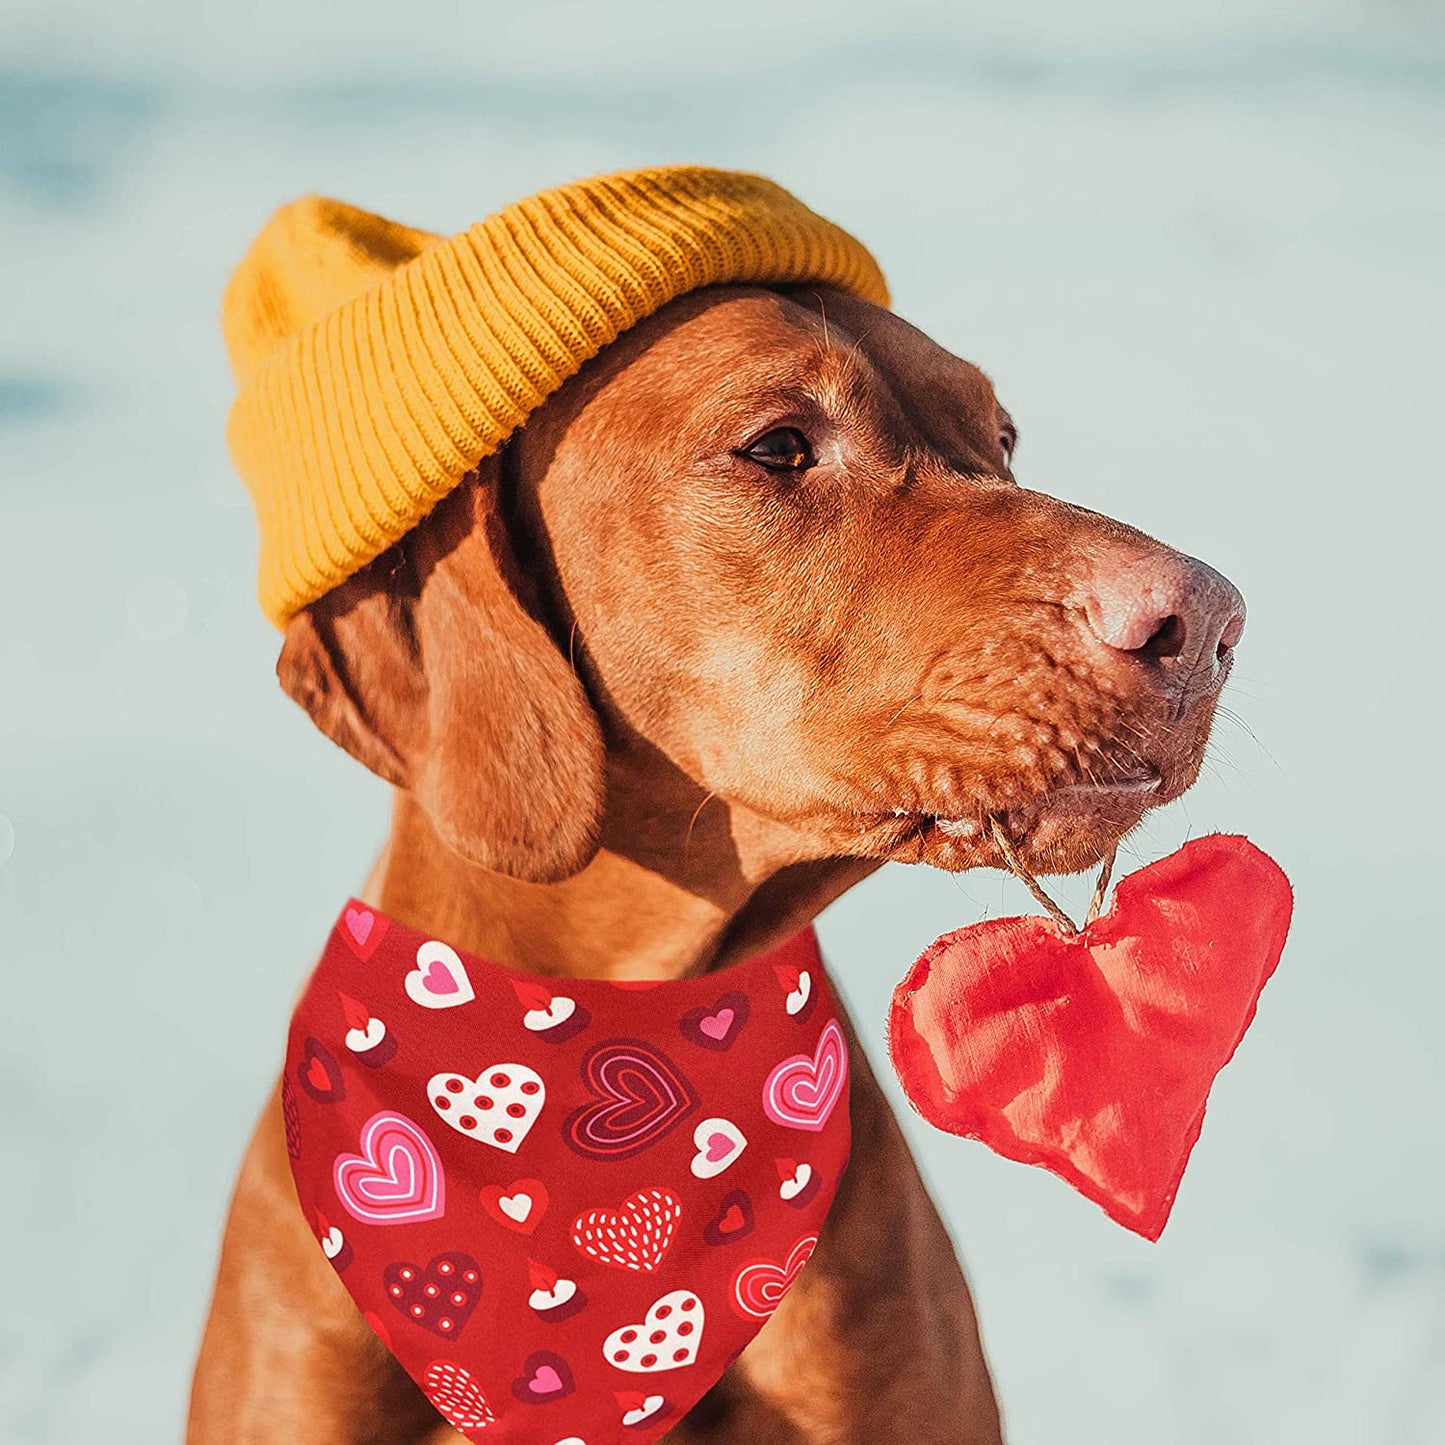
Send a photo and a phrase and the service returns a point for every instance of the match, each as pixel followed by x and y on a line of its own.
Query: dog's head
pixel 769 543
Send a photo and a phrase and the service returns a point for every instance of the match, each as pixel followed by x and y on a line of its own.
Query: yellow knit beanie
pixel 377 364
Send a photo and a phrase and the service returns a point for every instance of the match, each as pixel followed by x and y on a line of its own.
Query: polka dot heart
pixel 498 1107
pixel 601 1197
pixel 440 1296
pixel 667 1339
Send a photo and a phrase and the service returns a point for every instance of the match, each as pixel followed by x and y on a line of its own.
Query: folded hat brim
pixel 378 364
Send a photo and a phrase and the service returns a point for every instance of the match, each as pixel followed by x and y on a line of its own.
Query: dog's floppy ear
pixel 430 667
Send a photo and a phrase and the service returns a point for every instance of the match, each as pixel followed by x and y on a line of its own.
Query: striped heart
pixel 801 1092
pixel 759 1286
pixel 457 1396
pixel 641 1095
pixel 396 1179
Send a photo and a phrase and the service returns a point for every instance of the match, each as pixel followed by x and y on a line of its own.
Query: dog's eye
pixel 784 449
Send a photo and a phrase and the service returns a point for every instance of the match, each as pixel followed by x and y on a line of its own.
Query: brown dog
pixel 750 606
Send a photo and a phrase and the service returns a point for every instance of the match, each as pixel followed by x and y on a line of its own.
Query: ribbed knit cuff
pixel 352 428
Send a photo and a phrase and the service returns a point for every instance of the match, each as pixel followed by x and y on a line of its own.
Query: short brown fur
pixel 649 707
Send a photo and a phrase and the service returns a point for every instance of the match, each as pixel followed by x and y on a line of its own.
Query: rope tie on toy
pixel 1015 866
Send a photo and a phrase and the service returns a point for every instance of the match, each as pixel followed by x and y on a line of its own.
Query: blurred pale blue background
pixel 1198 246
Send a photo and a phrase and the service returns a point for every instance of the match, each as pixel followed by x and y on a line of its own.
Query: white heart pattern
pixel 498 1107
pixel 667 1339
pixel 799 997
pixel 360 1040
pixel 645 1411
pixel 791 1188
pixel 439 979
pixel 516 1206
pixel 550 1299
pixel 719 1142
pixel 557 1012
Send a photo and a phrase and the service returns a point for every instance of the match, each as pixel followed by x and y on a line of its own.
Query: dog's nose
pixel 1169 608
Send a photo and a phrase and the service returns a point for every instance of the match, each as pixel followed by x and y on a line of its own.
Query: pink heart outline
pixel 759 1286
pixel 802 1091
pixel 639 1095
pixel 396 1178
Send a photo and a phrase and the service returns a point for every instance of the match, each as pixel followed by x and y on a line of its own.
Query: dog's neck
pixel 676 888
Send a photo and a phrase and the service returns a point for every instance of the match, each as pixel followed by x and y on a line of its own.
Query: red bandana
pixel 564 1205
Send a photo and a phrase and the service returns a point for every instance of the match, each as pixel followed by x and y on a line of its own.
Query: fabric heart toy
pixel 1091 1053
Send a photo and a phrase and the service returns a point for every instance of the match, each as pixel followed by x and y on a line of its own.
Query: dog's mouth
pixel 1061 830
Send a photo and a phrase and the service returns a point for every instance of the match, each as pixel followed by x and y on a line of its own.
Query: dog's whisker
pixel 1229 715
pixel 917 697
pixel 687 840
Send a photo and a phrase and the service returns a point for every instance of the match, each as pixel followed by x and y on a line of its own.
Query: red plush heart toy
pixel 1092 1054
